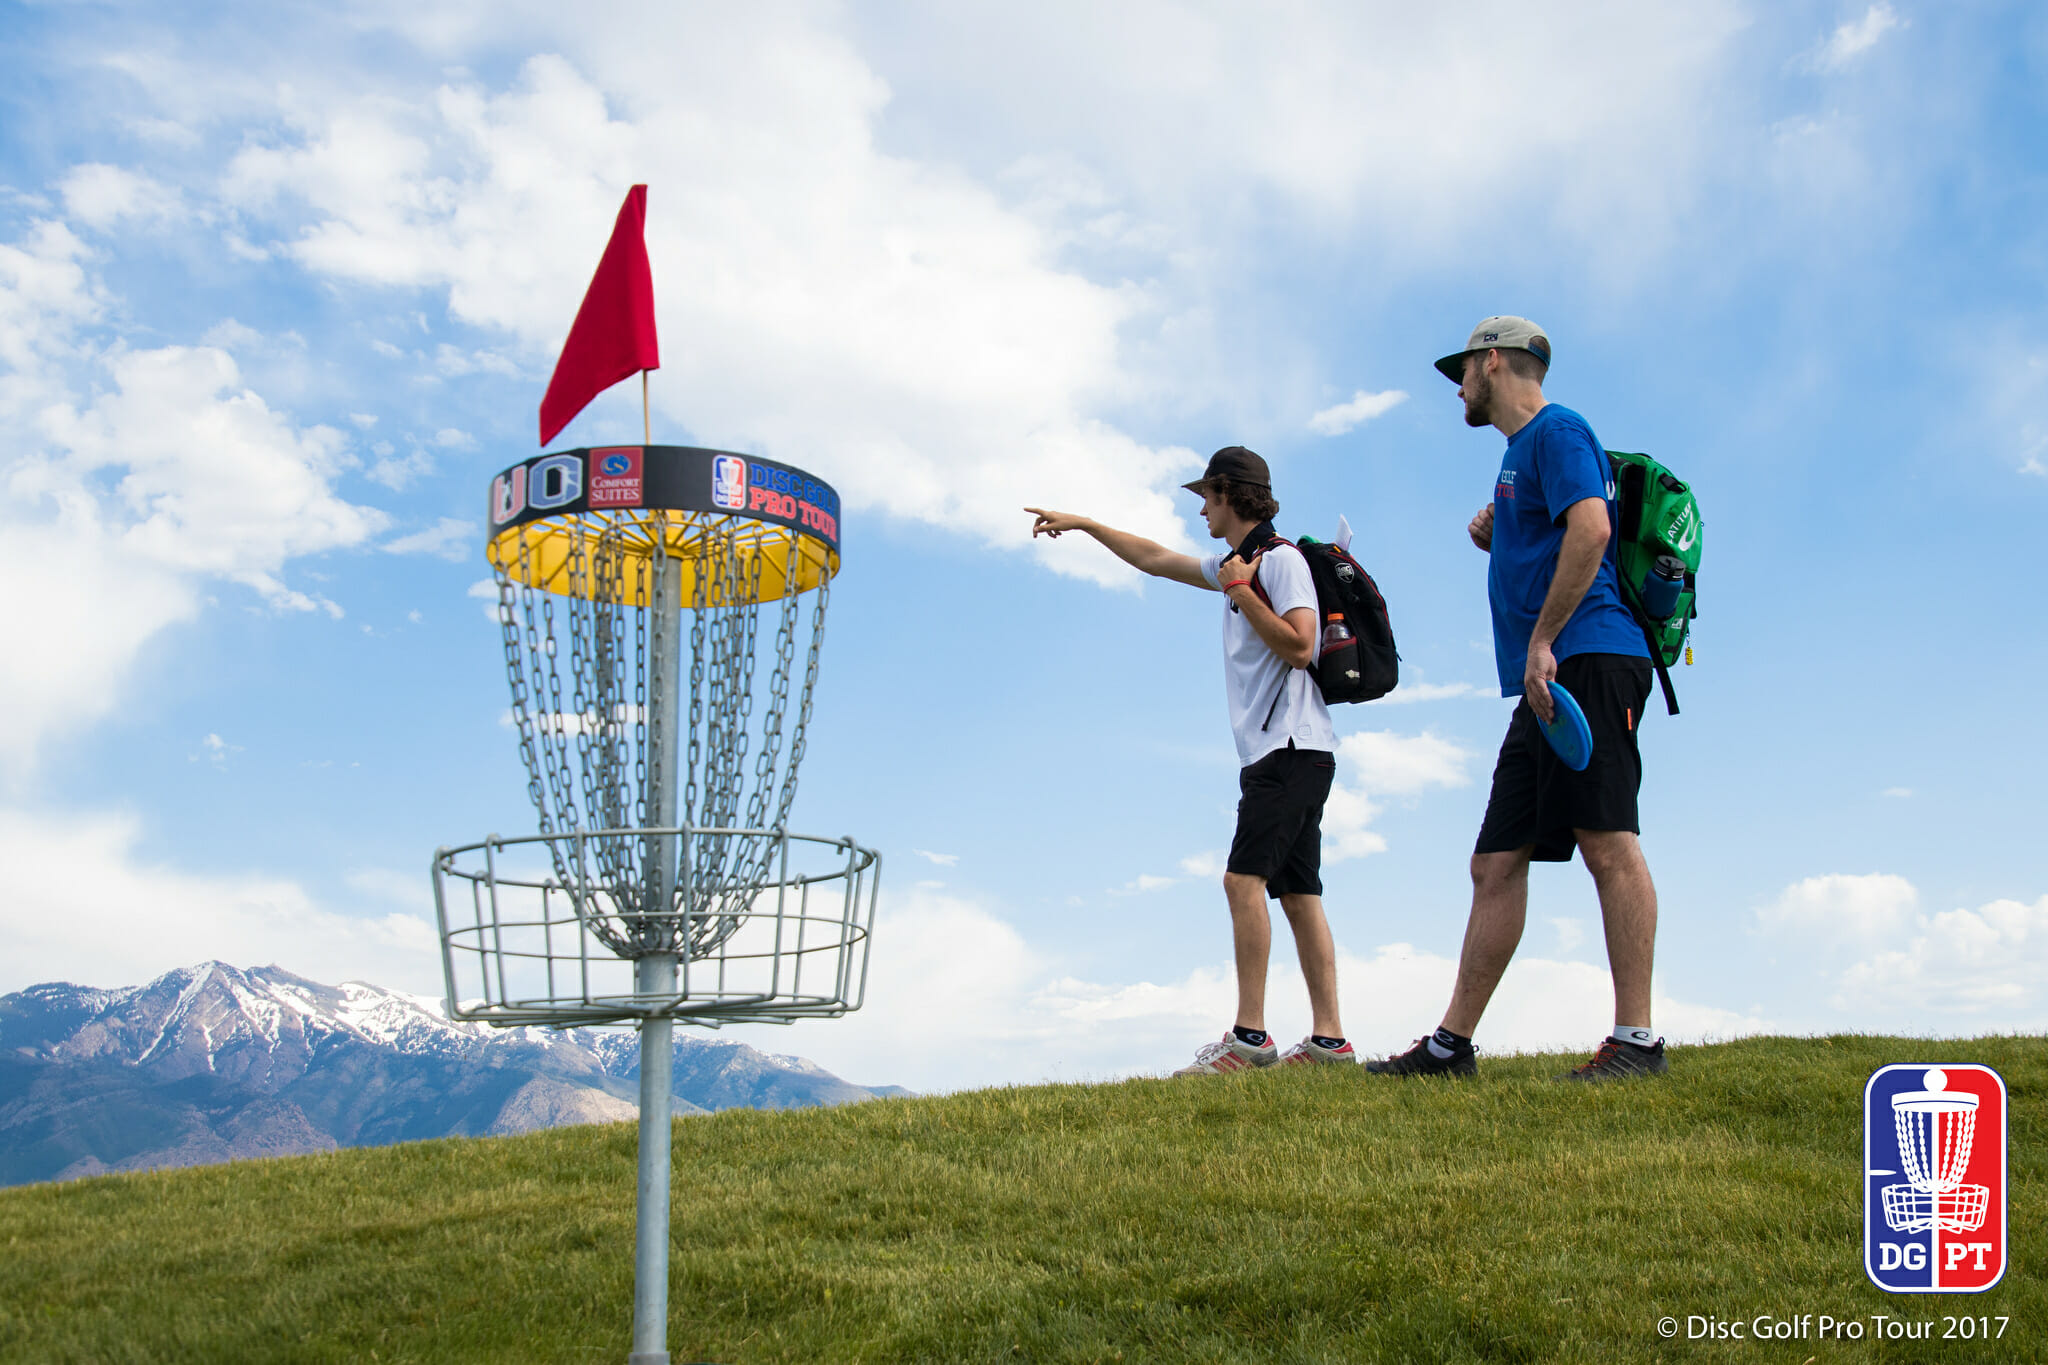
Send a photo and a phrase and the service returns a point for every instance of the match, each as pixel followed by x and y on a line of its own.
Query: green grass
pixel 1279 1216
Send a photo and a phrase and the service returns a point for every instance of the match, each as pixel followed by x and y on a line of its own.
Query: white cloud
pixel 1360 114
pixel 1380 763
pixel 1363 407
pixel 1571 932
pixel 412 890
pixel 943 347
pixel 455 362
pixel 1207 865
pixel 230 335
pixel 1897 793
pixel 1852 39
pixel 449 538
pixel 1897 969
pixel 938 859
pixel 166 132
pixel 1409 692
pixel 1011 1012
pixel 363 420
pixel 101 197
pixel 79 903
pixel 948 366
pixel 45 297
pixel 1842 908
pixel 1143 882
pixel 215 750
pixel 2013 399
pixel 398 472
pixel 135 478
pixel 1961 969
pixel 485 591
pixel 1389 764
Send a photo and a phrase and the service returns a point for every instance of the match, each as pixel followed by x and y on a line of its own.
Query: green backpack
pixel 1660 536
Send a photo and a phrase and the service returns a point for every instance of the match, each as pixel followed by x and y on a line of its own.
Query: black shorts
pixel 1280 820
pixel 1536 799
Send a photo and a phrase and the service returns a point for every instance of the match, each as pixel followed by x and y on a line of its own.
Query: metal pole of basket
pixel 655 974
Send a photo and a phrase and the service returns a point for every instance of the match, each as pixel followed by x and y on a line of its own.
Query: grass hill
pixel 1270 1217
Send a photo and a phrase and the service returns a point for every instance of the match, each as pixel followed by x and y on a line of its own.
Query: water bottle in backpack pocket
pixel 1662 582
pixel 1337 663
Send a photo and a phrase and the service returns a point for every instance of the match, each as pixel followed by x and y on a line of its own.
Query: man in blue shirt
pixel 1553 585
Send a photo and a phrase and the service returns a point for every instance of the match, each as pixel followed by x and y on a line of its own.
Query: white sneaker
pixel 1231 1054
pixel 1308 1052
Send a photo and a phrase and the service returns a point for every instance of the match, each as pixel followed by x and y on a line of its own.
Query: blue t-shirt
pixel 1550 464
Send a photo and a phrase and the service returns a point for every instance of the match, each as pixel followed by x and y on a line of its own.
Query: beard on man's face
pixel 1478 400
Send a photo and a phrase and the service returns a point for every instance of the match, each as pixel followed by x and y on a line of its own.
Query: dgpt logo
pixel 1934 1179
pixel 729 483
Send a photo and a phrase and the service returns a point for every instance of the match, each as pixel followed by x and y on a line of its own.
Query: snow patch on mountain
pixel 214 1062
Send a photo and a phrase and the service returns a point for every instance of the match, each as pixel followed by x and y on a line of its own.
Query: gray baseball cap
pixel 1498 334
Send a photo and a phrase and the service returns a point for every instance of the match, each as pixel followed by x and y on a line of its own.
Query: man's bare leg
pixel 1500 904
pixel 1318 954
pixel 1251 931
pixel 1628 909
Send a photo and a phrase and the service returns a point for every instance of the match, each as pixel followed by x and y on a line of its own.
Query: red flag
pixel 613 335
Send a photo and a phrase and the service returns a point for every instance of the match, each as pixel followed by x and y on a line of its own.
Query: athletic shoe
pixel 1420 1061
pixel 1308 1052
pixel 1232 1054
pixel 1618 1061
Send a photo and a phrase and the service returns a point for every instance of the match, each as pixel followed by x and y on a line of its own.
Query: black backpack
pixel 1367 666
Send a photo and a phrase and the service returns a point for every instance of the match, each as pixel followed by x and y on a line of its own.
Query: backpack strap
pixel 1628 515
pixel 1259 587
pixel 1286 675
pixel 1657 662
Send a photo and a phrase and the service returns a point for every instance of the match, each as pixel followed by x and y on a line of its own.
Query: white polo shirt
pixel 1253 674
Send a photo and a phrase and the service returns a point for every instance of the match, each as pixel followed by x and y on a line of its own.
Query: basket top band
pixel 682 501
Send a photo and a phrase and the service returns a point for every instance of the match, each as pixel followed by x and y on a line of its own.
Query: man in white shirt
pixel 1286 747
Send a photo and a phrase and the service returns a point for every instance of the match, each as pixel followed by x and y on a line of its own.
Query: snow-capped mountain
pixel 214 1062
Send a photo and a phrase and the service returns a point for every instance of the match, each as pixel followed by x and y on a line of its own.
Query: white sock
pixel 1641 1037
pixel 1443 1044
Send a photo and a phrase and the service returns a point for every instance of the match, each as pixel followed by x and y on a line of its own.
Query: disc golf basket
pixel 663 609
pixel 1935 1128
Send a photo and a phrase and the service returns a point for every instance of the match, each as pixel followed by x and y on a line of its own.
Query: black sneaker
pixel 1420 1061
pixel 1618 1061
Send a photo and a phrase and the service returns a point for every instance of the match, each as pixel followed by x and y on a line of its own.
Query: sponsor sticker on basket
pixel 616 479
pixel 729 483
pixel 1934 1141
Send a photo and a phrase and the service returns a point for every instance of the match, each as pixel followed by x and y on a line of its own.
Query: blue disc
pixel 1568 732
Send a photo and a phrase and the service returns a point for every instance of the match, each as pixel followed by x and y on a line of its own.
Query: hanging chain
pixel 593 757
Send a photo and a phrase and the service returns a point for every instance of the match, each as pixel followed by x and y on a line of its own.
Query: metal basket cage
pixel 524 944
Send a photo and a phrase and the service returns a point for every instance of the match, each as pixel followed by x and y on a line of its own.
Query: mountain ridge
pixel 214 1062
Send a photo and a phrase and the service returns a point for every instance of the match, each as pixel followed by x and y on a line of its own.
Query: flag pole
pixel 646 422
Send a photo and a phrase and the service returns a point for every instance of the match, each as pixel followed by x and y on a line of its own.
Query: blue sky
pixel 280 289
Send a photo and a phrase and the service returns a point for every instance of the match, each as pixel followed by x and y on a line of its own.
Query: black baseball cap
pixel 1236 464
